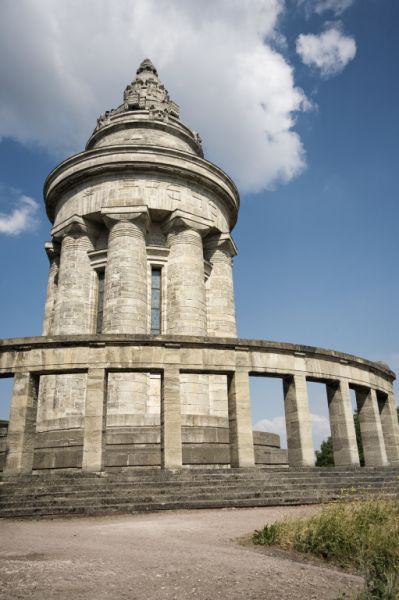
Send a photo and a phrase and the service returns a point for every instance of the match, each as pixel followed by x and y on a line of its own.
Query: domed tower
pixel 139 364
pixel 141 245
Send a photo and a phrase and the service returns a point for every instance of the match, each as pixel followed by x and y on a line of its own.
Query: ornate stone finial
pixel 147 92
pixel 147 65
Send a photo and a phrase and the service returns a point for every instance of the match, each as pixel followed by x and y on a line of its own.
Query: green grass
pixel 361 535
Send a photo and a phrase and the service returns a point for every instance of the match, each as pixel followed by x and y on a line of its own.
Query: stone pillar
pixel 186 296
pixel 370 428
pixel 53 253
pixel 390 426
pixel 171 440
pixel 221 318
pixel 94 421
pixel 298 422
pixel 125 293
pixel 22 425
pixel 76 301
pixel 240 422
pixel 342 425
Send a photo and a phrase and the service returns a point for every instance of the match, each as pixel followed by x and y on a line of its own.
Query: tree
pixel 324 456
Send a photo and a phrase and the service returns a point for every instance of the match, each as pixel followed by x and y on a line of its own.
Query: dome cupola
pixel 147 117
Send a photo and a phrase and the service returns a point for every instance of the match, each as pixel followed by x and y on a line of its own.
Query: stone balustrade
pixel 29 359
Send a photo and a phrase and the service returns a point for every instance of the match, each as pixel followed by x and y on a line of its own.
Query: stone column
pixel 53 252
pixel 171 441
pixel 390 426
pixel 298 422
pixel 125 293
pixel 221 318
pixel 240 422
pixel 22 425
pixel 94 421
pixel 186 297
pixel 75 306
pixel 370 428
pixel 342 425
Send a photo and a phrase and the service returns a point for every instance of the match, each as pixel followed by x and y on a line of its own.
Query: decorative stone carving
pixel 146 92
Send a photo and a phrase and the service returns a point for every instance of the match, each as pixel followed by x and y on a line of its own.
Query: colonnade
pixel 377 415
pixel 194 305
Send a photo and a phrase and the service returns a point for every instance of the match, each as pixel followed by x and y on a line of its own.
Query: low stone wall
pixel 60 449
pixel 127 447
pixel 267 449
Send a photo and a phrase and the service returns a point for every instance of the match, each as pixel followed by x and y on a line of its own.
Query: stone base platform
pixel 156 489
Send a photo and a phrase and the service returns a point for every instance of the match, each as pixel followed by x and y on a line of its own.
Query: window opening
pixel 100 301
pixel 155 301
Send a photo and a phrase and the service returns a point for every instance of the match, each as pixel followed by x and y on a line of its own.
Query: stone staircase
pixel 154 489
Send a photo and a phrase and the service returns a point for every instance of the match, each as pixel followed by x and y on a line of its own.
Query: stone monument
pixel 139 364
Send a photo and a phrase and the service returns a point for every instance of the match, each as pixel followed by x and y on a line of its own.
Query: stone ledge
pixel 94 162
pixel 39 342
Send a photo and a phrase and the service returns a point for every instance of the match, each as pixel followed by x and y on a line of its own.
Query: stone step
pixel 71 500
pixel 57 485
pixel 215 475
pixel 66 503
pixel 38 495
pixel 119 508
pixel 185 490
pixel 109 487
pixel 142 474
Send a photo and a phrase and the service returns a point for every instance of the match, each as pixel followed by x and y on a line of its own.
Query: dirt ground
pixel 178 555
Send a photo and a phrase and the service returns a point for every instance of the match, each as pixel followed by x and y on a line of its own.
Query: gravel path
pixel 178 555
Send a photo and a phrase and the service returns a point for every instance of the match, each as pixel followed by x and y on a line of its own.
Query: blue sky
pixel 297 100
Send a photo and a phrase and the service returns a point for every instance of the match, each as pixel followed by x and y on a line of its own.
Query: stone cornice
pixel 139 119
pixel 222 241
pixel 114 159
pixel 74 226
pixel 207 343
pixel 182 219
pixel 139 214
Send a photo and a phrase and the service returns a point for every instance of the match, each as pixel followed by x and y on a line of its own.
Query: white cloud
pixel 22 217
pixel 69 61
pixel 329 52
pixel 320 428
pixel 321 6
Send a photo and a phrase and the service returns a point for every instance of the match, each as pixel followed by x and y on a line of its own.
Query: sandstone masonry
pixel 139 364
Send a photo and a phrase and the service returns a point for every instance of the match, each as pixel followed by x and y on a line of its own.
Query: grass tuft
pixel 361 535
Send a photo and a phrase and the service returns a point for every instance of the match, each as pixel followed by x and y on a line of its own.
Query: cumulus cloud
pixel 320 428
pixel 218 60
pixel 329 52
pixel 21 218
pixel 321 6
